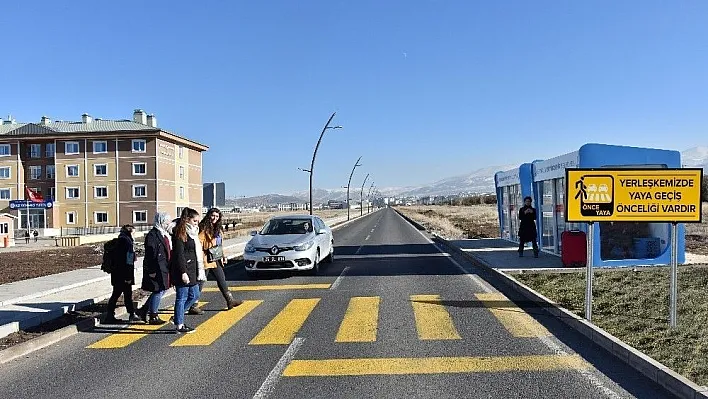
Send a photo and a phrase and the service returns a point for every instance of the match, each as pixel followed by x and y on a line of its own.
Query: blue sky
pixel 424 89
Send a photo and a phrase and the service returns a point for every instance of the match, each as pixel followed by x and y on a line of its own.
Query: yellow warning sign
pixel 629 195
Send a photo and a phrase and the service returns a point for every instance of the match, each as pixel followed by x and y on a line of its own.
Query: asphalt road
pixel 393 316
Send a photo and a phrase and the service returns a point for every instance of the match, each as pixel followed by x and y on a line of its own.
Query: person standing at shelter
pixel 122 276
pixel 156 269
pixel 187 267
pixel 527 227
pixel 211 238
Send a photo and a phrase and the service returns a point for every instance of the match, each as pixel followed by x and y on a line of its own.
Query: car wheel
pixel 316 266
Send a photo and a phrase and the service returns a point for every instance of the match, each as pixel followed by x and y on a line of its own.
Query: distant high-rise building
pixel 214 195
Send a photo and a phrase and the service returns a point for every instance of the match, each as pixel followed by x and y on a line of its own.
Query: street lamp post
pixel 368 198
pixel 314 154
pixel 361 196
pixel 350 184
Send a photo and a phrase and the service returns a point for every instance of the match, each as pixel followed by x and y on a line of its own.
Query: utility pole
pixel 314 154
pixel 361 196
pixel 350 184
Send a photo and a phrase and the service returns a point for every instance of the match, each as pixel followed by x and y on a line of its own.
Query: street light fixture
pixel 350 184
pixel 314 154
pixel 361 196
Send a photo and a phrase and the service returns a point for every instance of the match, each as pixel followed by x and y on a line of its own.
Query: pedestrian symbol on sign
pixel 596 194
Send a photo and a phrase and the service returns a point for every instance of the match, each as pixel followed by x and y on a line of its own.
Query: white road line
pixel 592 378
pixel 355 256
pixel 339 279
pixel 372 230
pixel 269 384
pixel 367 238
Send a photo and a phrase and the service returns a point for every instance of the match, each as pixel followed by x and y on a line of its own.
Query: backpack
pixel 109 249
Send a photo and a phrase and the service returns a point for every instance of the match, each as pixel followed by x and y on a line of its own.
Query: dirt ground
pixel 24 265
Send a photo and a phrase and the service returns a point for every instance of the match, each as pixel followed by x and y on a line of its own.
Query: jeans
pixel 218 274
pixel 153 302
pixel 186 297
pixel 127 291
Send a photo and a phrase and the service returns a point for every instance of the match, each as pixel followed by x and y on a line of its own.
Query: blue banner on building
pixel 27 204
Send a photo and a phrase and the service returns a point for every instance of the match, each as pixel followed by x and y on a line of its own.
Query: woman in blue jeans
pixel 156 269
pixel 187 266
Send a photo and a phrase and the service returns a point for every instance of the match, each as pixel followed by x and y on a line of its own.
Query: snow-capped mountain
pixel 478 181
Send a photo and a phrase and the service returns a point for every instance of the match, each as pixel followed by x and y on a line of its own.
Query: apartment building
pixel 98 172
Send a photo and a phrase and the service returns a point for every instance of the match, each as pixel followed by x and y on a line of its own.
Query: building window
pixel 4 228
pixel 49 150
pixel 181 152
pixel 181 172
pixel 139 191
pixel 72 192
pixel 35 172
pixel 100 192
pixel 5 172
pixel 139 169
pixel 52 193
pixel 139 146
pixel 72 170
pixel 100 217
pixel 51 172
pixel 71 148
pixel 100 147
pixel 35 151
pixel 100 169
pixel 71 217
pixel 181 193
pixel 140 216
pixel 4 193
pixel 5 150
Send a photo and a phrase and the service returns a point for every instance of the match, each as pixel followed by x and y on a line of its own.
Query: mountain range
pixel 478 181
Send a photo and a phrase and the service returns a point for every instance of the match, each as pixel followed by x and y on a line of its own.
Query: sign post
pixel 588 271
pixel 652 195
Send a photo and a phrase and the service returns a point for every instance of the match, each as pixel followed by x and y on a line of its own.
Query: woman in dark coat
pixel 186 268
pixel 123 276
pixel 156 269
pixel 527 227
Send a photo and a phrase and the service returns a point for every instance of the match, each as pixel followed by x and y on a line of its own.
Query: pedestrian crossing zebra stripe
pixel 599 197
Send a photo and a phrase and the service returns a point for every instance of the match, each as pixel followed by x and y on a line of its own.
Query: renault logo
pixel 274 250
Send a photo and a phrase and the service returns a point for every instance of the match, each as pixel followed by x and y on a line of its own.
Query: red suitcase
pixel 573 248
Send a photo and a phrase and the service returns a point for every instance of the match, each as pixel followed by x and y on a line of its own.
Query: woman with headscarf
pixel 187 266
pixel 211 236
pixel 156 269
pixel 123 276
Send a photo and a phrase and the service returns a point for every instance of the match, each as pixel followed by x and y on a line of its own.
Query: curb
pixel 652 369
pixel 43 341
pixel 51 291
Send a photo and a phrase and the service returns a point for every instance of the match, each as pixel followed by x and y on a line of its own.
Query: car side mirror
pixel 253 233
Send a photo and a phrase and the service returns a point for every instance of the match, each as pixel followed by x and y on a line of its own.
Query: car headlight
pixel 249 248
pixel 305 246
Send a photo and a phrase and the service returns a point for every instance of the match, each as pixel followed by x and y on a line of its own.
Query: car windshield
pixel 287 226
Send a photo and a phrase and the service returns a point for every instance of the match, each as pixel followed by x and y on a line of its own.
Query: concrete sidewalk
pixel 28 303
pixel 503 254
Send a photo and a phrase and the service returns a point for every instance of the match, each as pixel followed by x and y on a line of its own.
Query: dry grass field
pixel 697 234
pixel 455 222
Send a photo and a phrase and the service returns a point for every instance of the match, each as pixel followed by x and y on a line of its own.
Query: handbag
pixel 215 254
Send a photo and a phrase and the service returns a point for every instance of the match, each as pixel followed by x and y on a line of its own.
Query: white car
pixel 289 243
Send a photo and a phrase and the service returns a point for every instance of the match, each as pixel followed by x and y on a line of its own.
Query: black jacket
pixel 156 262
pixel 184 260
pixel 527 227
pixel 124 270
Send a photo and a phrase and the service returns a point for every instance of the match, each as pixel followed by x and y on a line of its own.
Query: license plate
pixel 273 258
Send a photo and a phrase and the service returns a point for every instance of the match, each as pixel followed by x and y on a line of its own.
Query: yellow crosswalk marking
pixel 209 331
pixel 514 319
pixel 431 318
pixel 431 365
pixel 272 287
pixel 283 327
pixel 360 321
pixel 134 332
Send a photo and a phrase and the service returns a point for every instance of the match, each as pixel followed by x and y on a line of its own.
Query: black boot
pixel 155 320
pixel 142 313
pixel 230 301
pixel 195 310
